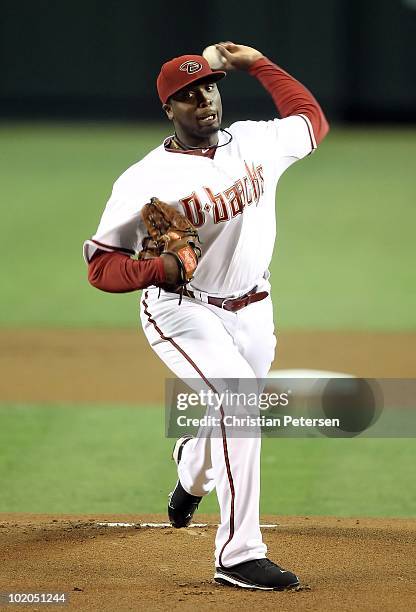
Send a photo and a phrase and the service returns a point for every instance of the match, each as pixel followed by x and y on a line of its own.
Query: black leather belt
pixel 232 304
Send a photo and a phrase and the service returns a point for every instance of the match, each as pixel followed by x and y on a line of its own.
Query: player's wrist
pixel 255 58
pixel 258 63
pixel 246 62
pixel 248 65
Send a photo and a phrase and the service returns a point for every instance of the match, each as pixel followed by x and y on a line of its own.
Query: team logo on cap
pixel 190 67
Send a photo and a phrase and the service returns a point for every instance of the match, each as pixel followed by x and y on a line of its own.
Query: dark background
pixel 100 59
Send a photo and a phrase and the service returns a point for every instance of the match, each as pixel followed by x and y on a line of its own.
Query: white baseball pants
pixel 196 340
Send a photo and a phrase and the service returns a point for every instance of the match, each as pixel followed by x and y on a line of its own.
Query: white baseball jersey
pixel 230 199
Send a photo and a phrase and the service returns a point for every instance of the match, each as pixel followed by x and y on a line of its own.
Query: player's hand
pixel 172 271
pixel 238 57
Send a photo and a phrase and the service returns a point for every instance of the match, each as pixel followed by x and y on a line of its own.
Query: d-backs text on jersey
pixel 227 203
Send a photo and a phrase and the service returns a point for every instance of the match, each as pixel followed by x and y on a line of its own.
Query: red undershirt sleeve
pixel 117 273
pixel 289 96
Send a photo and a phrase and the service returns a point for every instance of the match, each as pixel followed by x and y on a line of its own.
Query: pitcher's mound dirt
pixel 349 564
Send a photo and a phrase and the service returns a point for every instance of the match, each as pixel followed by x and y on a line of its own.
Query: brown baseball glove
pixel 170 234
pixel 150 249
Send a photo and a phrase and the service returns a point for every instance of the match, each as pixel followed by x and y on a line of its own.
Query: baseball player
pixel 221 326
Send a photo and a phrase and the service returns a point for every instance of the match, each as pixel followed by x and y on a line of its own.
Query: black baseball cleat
pixel 261 574
pixel 182 505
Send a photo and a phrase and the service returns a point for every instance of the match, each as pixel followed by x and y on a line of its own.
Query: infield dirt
pixel 349 564
pixel 118 366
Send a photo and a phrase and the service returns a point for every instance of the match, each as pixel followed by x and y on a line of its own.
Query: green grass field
pixel 344 260
pixel 84 459
pixel 345 252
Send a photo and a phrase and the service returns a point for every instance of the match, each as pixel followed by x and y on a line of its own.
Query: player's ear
pixel 168 110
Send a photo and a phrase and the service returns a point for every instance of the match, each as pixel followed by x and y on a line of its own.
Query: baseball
pixel 214 57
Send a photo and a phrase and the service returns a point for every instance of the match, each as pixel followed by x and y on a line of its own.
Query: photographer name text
pixel 255 421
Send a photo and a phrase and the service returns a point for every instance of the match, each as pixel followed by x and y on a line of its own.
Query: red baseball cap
pixel 182 71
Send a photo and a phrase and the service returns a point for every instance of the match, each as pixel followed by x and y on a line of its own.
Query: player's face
pixel 196 112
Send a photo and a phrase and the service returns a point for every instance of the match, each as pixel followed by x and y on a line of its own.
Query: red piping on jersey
pixel 107 246
pixel 223 431
pixel 309 132
pixel 290 96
